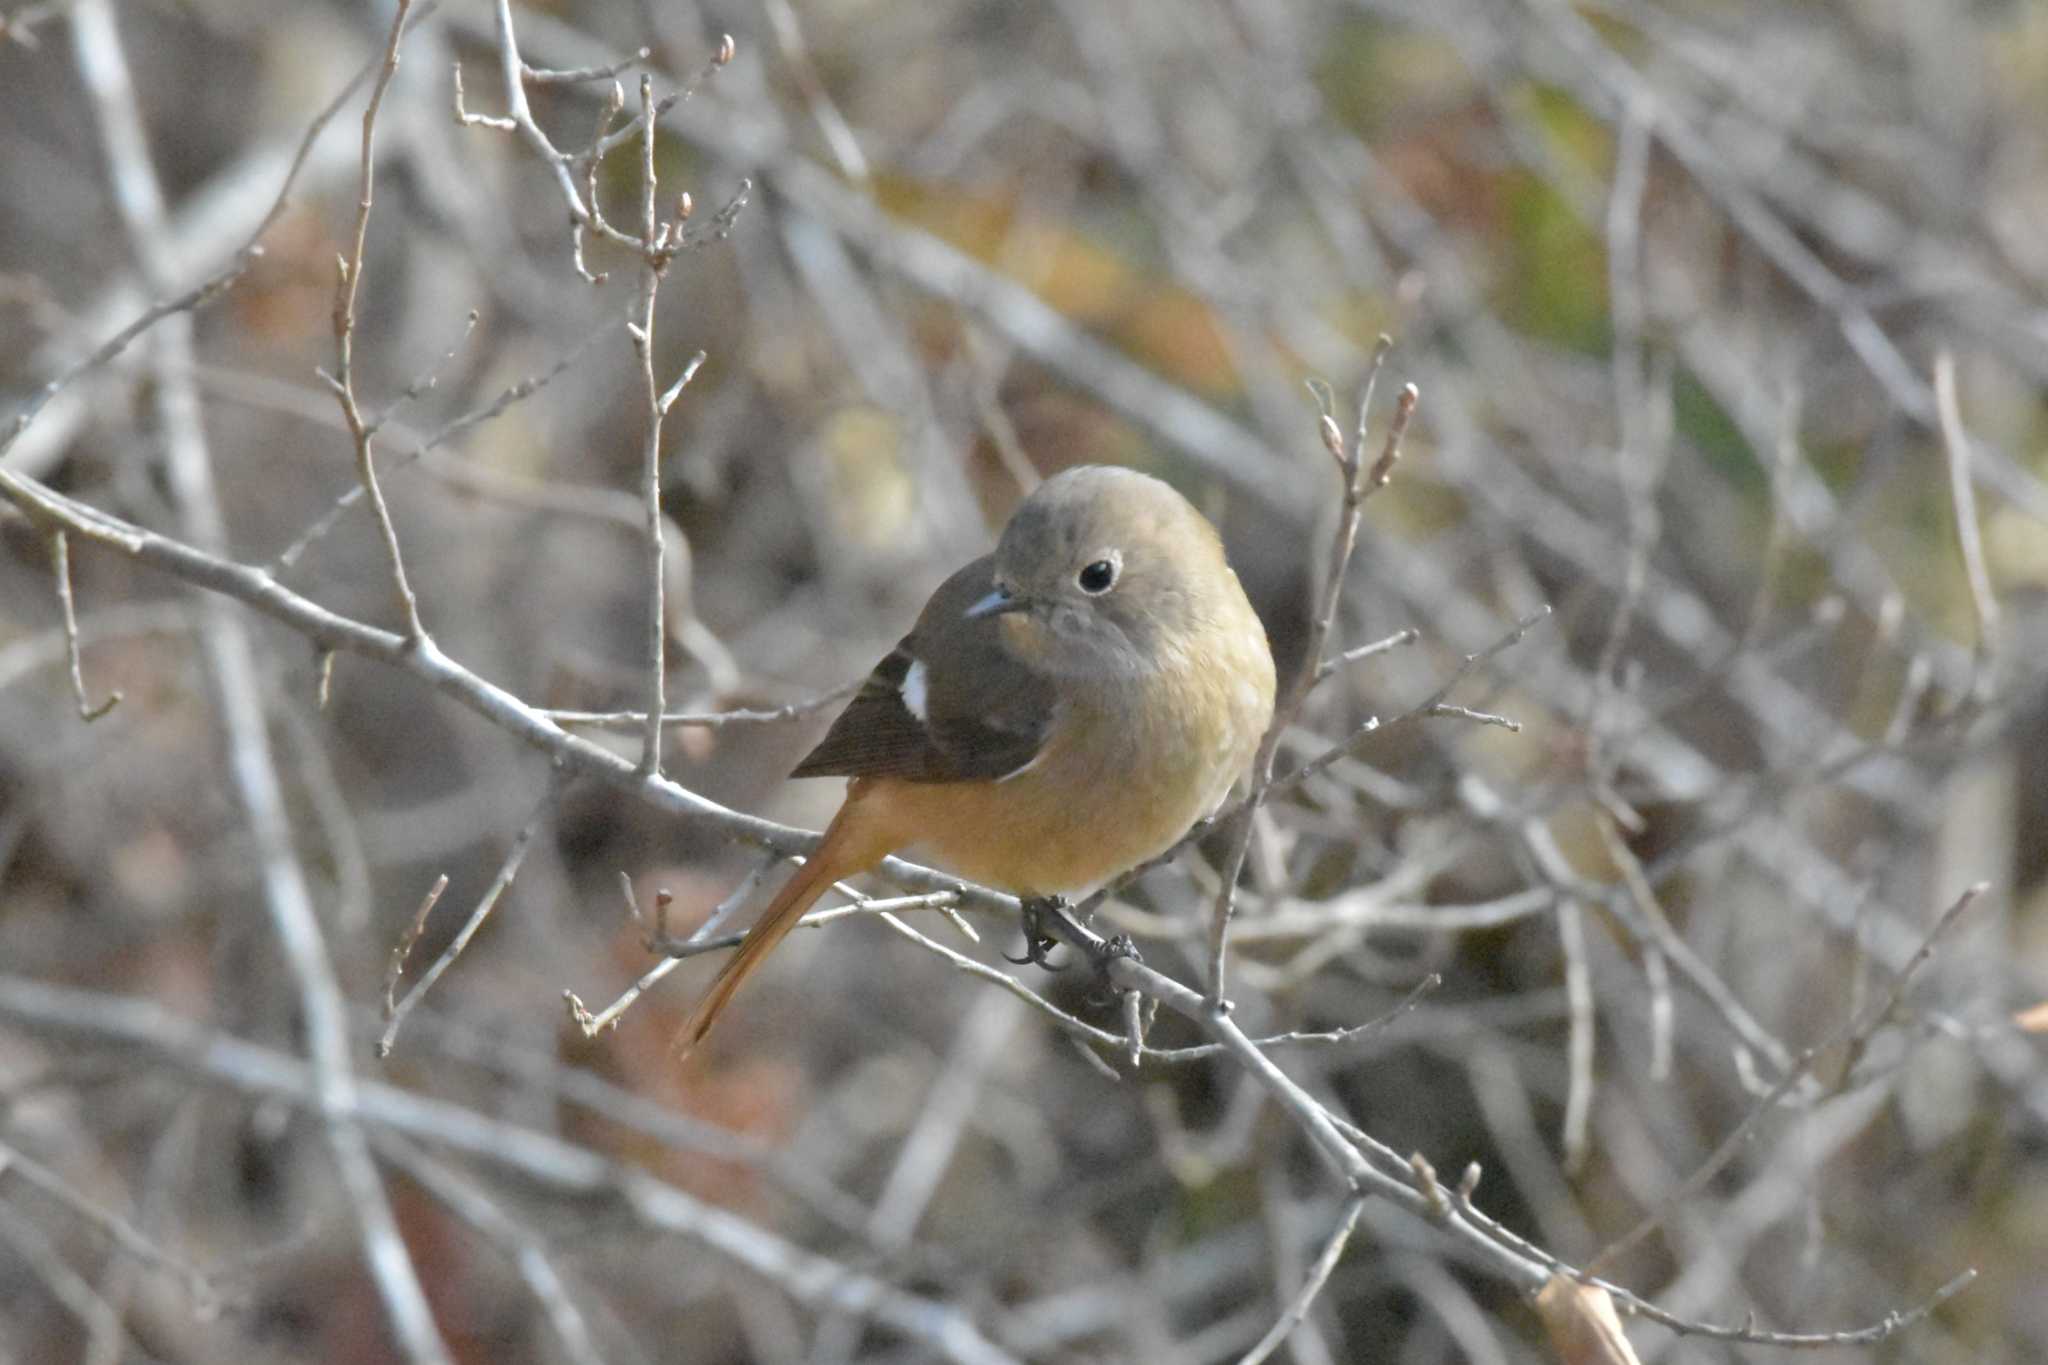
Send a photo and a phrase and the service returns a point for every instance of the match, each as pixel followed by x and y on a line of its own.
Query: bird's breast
pixel 1129 766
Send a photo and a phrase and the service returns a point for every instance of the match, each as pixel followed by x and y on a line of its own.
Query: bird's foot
pixel 1038 943
pixel 1118 945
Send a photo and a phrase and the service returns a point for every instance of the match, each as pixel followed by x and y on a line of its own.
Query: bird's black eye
pixel 1097 577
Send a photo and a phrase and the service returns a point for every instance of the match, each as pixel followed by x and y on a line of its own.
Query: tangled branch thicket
pixel 453 455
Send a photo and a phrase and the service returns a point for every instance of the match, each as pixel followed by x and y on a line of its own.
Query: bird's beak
pixel 995 604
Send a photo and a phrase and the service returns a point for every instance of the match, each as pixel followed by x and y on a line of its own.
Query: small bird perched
pixel 1063 709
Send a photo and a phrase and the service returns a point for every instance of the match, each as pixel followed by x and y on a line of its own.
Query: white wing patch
pixel 1036 759
pixel 914 690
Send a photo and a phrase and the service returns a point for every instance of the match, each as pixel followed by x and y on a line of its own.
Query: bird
pixel 1064 709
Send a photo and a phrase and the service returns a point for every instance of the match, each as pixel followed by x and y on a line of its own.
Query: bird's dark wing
pixel 948 704
pixel 876 735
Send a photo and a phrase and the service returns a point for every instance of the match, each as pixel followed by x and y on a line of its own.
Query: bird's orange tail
pixel 855 841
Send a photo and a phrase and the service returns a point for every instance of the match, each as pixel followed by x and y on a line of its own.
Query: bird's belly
pixel 1060 828
pixel 1122 781
pixel 1047 845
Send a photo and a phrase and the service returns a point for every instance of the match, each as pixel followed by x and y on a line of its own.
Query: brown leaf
pixel 1582 1323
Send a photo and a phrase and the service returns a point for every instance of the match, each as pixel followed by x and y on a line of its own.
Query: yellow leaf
pixel 1583 1326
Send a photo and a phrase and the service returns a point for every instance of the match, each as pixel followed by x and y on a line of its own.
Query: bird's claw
pixel 1038 944
pixel 1119 945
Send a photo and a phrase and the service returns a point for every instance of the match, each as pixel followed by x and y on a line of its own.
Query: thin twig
pixel 125 1236
pixel 343 382
pixel 1649 925
pixel 198 296
pixel 1115 1043
pixel 1634 1304
pixel 1318 1275
pixel 407 941
pixel 584 212
pixel 507 870
pixel 1359 482
pixel 525 1247
pixel 34 1249
pixel 1327 1038
pixel 425 380
pixel 1639 460
pixel 1134 1027
pixel 1406 636
pixel 1882 1013
pixel 421 12
pixel 1431 705
pixel 1955 440
pixel 697 945
pixel 674 951
pixel 169 1160
pixel 1854 1039
pixel 579 74
pixel 1887 1327
pixel 469 119
pixel 230 656
pixel 1657 976
pixel 656 939
pixel 216 284
pixel 513 394
pixel 1578 987
pixel 1784 457
pixel 654 259
pixel 721 57
pixel 60 565
pixel 20 26
pixel 1447 710
pixel 544 1158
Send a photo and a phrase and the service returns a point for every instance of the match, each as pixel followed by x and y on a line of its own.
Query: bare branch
pixel 1431 705
pixel 1406 636
pixel 1578 985
pixel 655 254
pixel 349 285
pixel 421 446
pixel 1318 1276
pixel 231 662
pixel 526 1248
pixel 192 299
pixel 1955 440
pixel 534 1155
pixel 407 941
pixel 577 75
pixel 1359 483
pixel 515 855
pixel 130 1240
pixel 710 720
pixel 60 563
